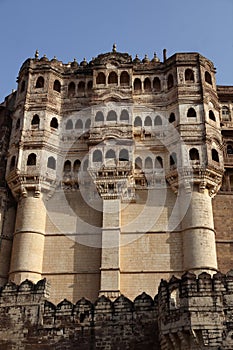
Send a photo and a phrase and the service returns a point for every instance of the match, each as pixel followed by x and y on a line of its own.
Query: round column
pixel 199 249
pixel 28 242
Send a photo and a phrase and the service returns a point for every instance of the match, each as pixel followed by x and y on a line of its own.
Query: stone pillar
pixel 28 241
pixel 110 259
pixel 7 218
pixel 199 249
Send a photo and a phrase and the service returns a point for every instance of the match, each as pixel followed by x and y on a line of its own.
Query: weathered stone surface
pixel 114 174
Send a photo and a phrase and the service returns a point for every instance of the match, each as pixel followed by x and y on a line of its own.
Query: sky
pixel 77 28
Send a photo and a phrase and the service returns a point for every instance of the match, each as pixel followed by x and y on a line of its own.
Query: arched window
pixel 54 123
pixel 212 116
pixel 23 84
pixel 88 124
pixel 99 117
pixel 225 113
pixel 158 163
pixel 229 149
pixel 69 125
pixel 173 159
pixel 17 125
pixel 147 84
pixel 156 84
pixel 124 79
pixel 40 83
pixel 189 75
pixel 31 159
pixel 35 121
pixel 89 85
pixel 101 79
pixel 148 121
pixel 137 121
pixel 112 78
pixel 12 163
pixel 148 163
pixel 215 156
pixel 170 81
pixel 194 154
pixel 137 84
pixel 71 89
pixel 138 163
pixel 158 120
pixel 191 113
pixel 174 299
pixel 81 86
pixel 57 86
pixel 112 116
pixel 208 78
pixel 67 166
pixel 97 156
pixel 76 165
pixel 110 154
pixel 51 163
pixel 172 118
pixel 79 124
pixel 124 116
pixel 124 155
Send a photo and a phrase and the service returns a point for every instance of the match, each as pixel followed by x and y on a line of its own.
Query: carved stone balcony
pixel 114 180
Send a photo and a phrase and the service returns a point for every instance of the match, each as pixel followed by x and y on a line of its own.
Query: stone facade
pixel 194 312
pixel 116 173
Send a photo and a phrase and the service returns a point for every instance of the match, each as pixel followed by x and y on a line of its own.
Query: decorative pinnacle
pixel 114 47
pixel 37 54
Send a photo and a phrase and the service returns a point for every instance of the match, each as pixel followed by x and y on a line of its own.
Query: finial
pixel 54 57
pixel 84 62
pixel 155 58
pixel 74 63
pixel 146 59
pixel 164 55
pixel 114 47
pixel 136 60
pixel 37 54
pixel 44 56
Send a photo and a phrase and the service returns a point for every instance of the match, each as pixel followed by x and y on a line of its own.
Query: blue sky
pixel 79 28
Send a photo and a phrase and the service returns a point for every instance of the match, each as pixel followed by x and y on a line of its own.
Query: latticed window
pixel 225 113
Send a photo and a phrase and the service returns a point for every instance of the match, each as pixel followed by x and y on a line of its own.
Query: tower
pixel 198 173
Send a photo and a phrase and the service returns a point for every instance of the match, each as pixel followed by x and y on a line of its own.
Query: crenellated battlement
pixel 190 313
pixel 200 307
pixel 27 317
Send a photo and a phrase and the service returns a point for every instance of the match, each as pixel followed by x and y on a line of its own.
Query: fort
pixel 116 180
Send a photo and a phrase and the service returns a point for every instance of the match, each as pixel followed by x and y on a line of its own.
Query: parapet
pixel 198 307
pixel 28 318
pixel 191 312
